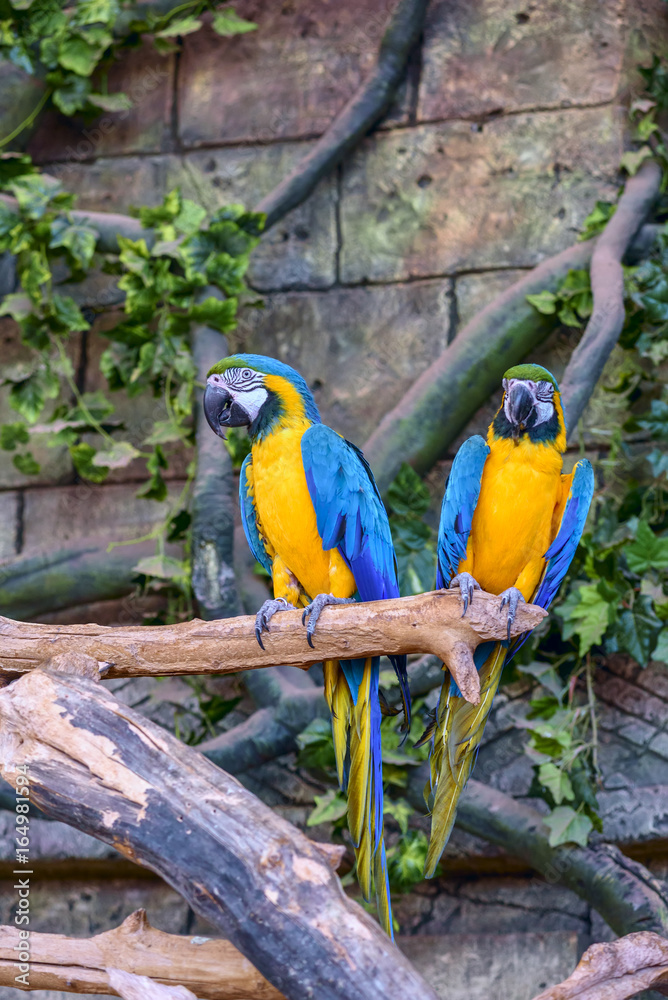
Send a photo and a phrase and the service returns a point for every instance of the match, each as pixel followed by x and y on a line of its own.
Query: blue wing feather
pixel 249 516
pixel 350 517
pixel 459 503
pixel 560 553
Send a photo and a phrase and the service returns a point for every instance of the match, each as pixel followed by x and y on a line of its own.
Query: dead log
pixel 427 623
pixel 617 970
pixel 99 766
pixel 211 968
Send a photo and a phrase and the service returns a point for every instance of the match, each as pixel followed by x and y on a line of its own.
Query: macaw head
pixel 531 406
pixel 260 393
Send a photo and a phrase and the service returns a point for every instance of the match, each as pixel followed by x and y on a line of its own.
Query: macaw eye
pixel 545 390
pixel 246 373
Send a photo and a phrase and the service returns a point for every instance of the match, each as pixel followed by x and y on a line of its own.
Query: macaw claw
pixel 313 611
pixel 511 598
pixel 265 614
pixel 467 585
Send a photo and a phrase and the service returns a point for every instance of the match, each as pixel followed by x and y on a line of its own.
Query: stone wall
pixel 509 126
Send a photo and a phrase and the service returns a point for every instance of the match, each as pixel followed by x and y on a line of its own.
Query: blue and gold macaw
pixel 510 524
pixel 314 519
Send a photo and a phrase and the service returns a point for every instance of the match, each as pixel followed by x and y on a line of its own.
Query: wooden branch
pixel 358 117
pixel 104 769
pixel 607 284
pixel 212 969
pixel 617 970
pixel 131 987
pixel 212 507
pixel 431 623
pixel 437 407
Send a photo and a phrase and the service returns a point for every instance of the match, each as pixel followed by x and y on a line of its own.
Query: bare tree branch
pixel 359 115
pixel 103 768
pixel 607 285
pixel 211 968
pixel 617 970
pixel 429 622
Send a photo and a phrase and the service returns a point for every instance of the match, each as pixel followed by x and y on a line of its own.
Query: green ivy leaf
pixel 182 26
pixel 110 102
pixel 661 649
pixel 587 614
pixel 26 464
pixel 82 456
pixel 597 220
pixel 78 239
pixel 316 747
pixel 400 811
pixel 80 55
pixel 34 192
pixel 647 551
pixel 13 434
pixel 68 315
pixel 406 860
pixel 117 456
pixel 70 92
pixel 227 22
pixel 632 160
pixel 220 315
pixel 328 808
pixel 29 396
pixel 407 494
pixel 164 568
pixel 545 302
pixel 636 630
pixel 557 782
pixel 567 826
pixel 17 305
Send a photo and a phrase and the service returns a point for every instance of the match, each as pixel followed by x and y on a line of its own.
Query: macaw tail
pixel 351 689
pixel 455 738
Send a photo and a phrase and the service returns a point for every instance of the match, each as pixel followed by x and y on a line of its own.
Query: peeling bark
pixel 212 969
pixel 104 769
pixel 617 970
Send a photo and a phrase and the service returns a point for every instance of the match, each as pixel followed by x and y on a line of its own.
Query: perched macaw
pixel 314 519
pixel 510 524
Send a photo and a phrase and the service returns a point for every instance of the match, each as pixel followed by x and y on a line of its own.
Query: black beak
pixel 520 405
pixel 221 410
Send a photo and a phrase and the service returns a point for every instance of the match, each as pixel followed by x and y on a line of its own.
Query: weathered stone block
pixel 478 966
pixel 85 510
pixel 114 185
pixel 147 78
pixel 359 349
pixel 286 80
pixel 300 250
pixel 9 506
pixel 446 198
pixel 490 57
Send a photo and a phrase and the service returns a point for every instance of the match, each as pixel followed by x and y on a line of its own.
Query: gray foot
pixel 511 598
pixel 266 613
pixel 467 584
pixel 313 611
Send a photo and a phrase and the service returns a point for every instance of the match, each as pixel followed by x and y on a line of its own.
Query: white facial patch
pixel 245 386
pixel 543 394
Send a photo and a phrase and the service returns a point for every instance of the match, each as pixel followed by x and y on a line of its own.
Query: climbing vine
pixel 71 48
pixel 193 273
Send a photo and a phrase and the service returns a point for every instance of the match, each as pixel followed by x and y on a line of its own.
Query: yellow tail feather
pixel 351 729
pixel 458 731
